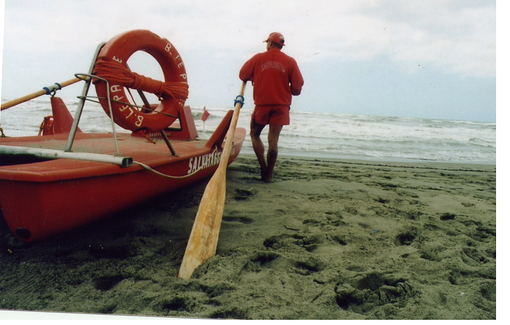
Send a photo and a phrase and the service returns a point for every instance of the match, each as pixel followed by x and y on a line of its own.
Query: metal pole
pixel 84 92
pixel 55 154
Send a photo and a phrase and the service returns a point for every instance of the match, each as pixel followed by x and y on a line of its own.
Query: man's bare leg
pixel 258 146
pixel 272 152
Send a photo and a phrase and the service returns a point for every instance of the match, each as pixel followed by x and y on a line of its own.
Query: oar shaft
pixel 230 133
pixel 204 235
pixel 28 97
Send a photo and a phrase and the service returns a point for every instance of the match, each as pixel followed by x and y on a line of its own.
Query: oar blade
pixel 202 242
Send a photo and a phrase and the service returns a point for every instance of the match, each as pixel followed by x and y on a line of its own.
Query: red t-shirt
pixel 275 76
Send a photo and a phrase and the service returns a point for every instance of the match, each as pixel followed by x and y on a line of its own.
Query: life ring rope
pixel 118 73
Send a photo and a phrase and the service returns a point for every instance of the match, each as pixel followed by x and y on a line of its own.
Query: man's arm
pixel 296 81
pixel 246 72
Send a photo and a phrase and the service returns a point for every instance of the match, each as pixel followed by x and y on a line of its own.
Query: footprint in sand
pixel 244 220
pixel 243 194
pixel 106 283
pixel 368 291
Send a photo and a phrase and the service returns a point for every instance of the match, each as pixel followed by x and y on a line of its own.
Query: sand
pixel 328 239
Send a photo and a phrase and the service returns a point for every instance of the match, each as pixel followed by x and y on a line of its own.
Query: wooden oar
pixel 203 239
pixel 23 99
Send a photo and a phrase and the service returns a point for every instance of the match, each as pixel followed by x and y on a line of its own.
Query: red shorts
pixel 273 115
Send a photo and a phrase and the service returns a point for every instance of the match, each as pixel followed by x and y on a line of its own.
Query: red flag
pixel 205 115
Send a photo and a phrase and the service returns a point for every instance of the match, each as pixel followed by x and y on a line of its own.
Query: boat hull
pixel 44 198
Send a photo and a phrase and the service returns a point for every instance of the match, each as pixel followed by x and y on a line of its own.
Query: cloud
pixel 440 34
pixel 456 37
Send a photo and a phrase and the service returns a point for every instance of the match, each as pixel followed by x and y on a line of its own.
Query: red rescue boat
pixel 68 178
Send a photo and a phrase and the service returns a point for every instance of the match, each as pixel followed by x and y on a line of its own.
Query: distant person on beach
pixel 275 77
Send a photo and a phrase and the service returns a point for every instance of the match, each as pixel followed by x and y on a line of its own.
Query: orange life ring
pixel 111 65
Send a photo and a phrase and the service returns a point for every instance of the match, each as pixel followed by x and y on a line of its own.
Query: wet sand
pixel 328 239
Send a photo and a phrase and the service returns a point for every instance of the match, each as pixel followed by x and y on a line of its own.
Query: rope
pixel 161 174
pixel 117 73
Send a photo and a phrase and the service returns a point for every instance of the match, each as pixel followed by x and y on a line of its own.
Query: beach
pixel 328 239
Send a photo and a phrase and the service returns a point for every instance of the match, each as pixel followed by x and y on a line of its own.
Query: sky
pixel 429 59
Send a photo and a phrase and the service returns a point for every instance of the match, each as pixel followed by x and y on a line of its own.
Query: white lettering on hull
pixel 204 161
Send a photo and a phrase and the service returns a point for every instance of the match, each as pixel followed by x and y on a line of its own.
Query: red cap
pixel 277 38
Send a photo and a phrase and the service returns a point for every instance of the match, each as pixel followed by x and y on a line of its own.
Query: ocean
pixel 311 134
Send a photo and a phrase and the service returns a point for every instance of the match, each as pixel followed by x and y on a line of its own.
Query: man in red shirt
pixel 275 77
